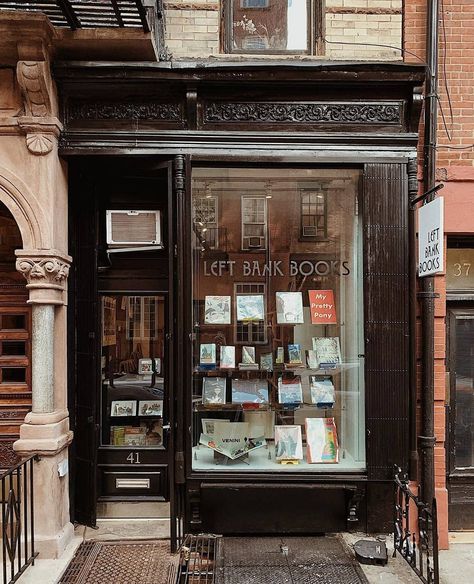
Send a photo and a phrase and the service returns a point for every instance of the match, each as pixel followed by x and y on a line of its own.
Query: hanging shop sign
pixel 431 238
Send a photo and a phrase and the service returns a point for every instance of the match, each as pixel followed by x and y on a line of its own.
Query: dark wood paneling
pixel 83 323
pixel 282 508
pixel 386 307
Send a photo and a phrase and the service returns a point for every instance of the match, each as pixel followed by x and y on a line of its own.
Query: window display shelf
pixel 259 461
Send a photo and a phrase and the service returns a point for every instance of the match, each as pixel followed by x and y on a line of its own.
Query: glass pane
pixel 270 25
pixel 464 430
pixel 133 370
pixel 279 330
pixel 460 269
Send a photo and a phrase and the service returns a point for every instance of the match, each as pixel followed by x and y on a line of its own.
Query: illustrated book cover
pixel 149 366
pixel 248 355
pixel 288 443
pixel 207 355
pixel 123 408
pixel 322 307
pixel 266 362
pixel 289 308
pixel 150 407
pixel 322 391
pixel 217 310
pixel 214 390
pixel 227 360
pixel 249 391
pixel 232 439
pixel 321 440
pixel 328 351
pixel 250 307
pixel 290 390
pixel 294 354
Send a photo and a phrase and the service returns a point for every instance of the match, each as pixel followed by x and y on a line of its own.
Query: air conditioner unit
pixel 309 231
pixel 133 229
pixel 255 241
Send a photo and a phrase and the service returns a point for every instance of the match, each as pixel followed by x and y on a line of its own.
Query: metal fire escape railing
pixel 148 15
pixel 87 13
pixel 17 519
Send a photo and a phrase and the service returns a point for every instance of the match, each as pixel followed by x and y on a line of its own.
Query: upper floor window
pixel 313 214
pixel 254 223
pixel 206 220
pixel 272 26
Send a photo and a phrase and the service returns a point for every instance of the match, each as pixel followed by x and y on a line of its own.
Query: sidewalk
pixel 456 564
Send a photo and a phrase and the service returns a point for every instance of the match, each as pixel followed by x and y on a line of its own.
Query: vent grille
pixel 133 228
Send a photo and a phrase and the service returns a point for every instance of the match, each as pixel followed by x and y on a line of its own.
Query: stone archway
pixel 34 226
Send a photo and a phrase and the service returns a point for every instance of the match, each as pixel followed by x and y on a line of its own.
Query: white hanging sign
pixel 431 238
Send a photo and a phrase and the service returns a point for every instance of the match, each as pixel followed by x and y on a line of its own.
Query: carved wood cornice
pixel 304 112
pixel 39 123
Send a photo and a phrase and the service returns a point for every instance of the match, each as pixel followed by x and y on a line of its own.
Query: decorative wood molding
pixel 304 113
pixel 146 110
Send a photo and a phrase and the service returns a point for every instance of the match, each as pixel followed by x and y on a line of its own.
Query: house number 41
pixel 134 458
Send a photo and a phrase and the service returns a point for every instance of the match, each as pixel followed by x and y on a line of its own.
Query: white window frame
pixel 140 324
pixel 246 244
pixel 202 226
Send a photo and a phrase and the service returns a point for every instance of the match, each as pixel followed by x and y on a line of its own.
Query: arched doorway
pixel 15 340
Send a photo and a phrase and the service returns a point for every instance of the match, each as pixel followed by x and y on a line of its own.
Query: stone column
pixel 46 428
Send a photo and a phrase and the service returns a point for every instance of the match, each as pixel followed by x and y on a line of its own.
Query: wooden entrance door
pixel 460 427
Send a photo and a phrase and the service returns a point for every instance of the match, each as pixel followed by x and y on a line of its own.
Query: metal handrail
pixel 18 525
pixel 417 543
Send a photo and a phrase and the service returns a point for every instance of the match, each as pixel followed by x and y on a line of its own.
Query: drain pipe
pixel 426 441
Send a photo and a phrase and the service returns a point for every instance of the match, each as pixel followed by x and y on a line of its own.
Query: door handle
pixel 167 427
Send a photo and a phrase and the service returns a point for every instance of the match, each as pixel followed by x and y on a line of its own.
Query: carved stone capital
pixel 46 272
pixel 41 133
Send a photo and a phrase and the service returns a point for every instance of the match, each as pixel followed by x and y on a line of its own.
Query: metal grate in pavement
pixel 287 560
pixel 112 562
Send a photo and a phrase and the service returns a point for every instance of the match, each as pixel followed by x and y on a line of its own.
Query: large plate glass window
pixel 133 370
pixel 278 376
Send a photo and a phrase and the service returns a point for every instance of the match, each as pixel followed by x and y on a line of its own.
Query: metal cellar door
pixel 180 324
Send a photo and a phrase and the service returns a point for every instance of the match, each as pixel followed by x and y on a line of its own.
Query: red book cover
pixel 322 307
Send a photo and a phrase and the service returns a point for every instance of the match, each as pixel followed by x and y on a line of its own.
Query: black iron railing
pixel 415 531
pixel 18 541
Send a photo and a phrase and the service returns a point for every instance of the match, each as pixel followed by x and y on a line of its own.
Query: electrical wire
pixel 411 53
pixel 445 76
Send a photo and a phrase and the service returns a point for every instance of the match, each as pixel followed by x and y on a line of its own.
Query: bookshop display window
pixel 278 372
pixel 132 370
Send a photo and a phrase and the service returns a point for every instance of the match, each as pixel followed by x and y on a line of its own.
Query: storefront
pixel 240 298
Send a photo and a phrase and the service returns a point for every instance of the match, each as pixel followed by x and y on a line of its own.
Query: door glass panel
pixel 133 370
pixel 464 427
pixel 460 269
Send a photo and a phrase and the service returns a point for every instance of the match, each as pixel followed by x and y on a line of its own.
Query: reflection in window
pixel 133 370
pixel 141 317
pixel 269 25
pixel 254 222
pixel 464 371
pixel 249 330
pixel 205 220
pixel 313 213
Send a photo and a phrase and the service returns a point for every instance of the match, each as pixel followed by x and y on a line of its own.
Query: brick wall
pixel 193 29
pixel 455 167
pixel 458 53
